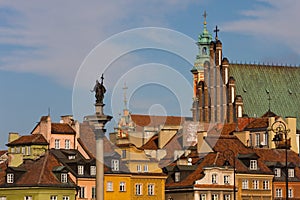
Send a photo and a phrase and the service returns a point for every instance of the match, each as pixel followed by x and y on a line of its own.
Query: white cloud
pixel 273 19
pixel 59 34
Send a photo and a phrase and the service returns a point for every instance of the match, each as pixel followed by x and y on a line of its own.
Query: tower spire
pixel 204 15
pixel 216 31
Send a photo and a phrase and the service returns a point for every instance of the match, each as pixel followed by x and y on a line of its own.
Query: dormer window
pixel 291 172
pixel 253 164
pixel 80 169
pixel 10 178
pixel 177 176
pixel 93 170
pixel 64 178
pixel 71 157
pixel 277 172
pixel 114 165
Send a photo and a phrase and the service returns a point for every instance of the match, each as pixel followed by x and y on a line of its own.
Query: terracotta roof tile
pixel 29 139
pixel 151 144
pixel 62 128
pixel 40 173
pixel 258 123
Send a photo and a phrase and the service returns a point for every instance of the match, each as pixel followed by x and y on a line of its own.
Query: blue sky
pixel 44 45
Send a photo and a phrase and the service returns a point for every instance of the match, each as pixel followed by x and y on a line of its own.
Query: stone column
pixel 98 122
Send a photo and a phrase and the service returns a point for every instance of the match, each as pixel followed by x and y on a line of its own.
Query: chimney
pixel 45 127
pixel 12 136
pixel 202 146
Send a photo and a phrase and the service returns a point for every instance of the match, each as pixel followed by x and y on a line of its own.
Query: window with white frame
pixel 145 168
pixel 53 197
pixel 82 192
pixel 94 192
pixel 23 150
pixel 278 192
pixel 28 198
pixel 67 144
pixel 151 189
pixel 138 168
pixel 66 198
pixel 290 193
pixel 2 198
pixel 80 169
pixel 138 189
pixel 240 111
pixel 10 178
pixel 291 172
pixel 226 179
pixel 266 185
pixel 226 197
pixel 93 170
pixel 214 197
pixel 28 150
pixel 214 178
pixel 64 177
pixel 255 184
pixel 202 196
pixel 277 172
pixel 245 184
pixel 177 176
pixel 114 165
pixel 266 139
pixel 257 139
pixel 253 164
pixel 109 186
pixel 122 186
pixel 57 144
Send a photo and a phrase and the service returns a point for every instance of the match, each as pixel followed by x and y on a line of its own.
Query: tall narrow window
pixel 145 168
pixel 150 189
pixel 122 186
pixel 67 144
pixel 23 150
pixel 123 153
pixel 266 139
pixel 290 193
pixel 277 172
pixel 138 168
pixel 80 169
pixel 93 170
pixel 253 164
pixel 255 184
pixel 214 178
pixel 278 192
pixel 226 179
pixel 94 192
pixel 257 139
pixel 214 197
pixel 57 144
pixel 266 185
pixel 109 186
pixel 226 197
pixel 291 172
pixel 10 178
pixel 202 196
pixel 114 165
pixel 240 111
pixel 177 176
pixel 226 75
pixel 138 189
pixel 64 177
pixel 245 184
pixel 28 151
pixel 82 192
pixel 232 94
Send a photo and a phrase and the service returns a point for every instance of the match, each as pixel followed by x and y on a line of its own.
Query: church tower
pixel 214 95
pixel 202 61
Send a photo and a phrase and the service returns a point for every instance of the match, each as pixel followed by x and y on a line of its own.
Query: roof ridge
pixel 43 167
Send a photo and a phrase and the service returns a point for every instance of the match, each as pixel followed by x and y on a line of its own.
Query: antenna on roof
pixel 269 99
pixel 48 111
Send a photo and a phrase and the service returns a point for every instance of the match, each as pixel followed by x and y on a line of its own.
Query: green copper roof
pixel 254 82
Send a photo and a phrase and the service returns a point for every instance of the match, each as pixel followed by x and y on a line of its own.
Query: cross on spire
pixel 204 15
pixel 216 31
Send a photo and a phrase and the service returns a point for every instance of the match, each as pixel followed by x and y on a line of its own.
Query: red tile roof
pixel 29 139
pixel 62 128
pixel 39 173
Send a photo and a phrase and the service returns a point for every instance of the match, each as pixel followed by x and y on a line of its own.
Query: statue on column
pixel 99 90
